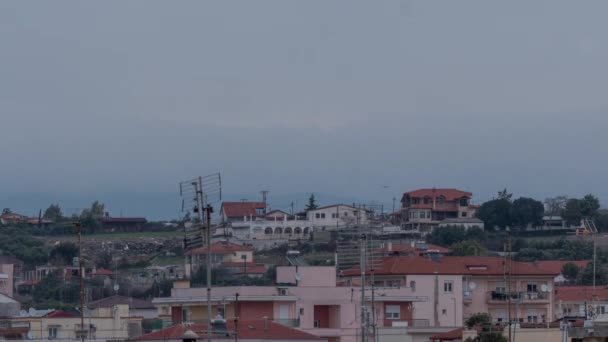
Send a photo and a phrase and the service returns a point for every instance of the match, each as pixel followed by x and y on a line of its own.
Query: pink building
pixel 7 279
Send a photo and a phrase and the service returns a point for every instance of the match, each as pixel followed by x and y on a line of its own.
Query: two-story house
pixel 425 209
pixel 581 302
pixel 240 211
pixel 336 216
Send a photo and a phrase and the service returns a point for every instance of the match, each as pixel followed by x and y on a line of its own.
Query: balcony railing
pixel 467 295
pixel 292 323
pixel 9 324
pixel 495 296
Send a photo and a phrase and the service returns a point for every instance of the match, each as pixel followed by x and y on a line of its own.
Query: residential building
pixel 231 330
pixel 7 279
pixel 310 298
pixel 112 324
pixel 581 302
pixel 556 266
pixel 425 209
pixel 8 306
pixel 336 216
pixel 123 224
pixel 419 248
pixel 137 307
pixel 240 211
pixel 222 252
pixel 269 232
pixel 470 285
pixel 12 218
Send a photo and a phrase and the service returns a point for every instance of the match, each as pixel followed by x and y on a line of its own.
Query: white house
pixel 333 217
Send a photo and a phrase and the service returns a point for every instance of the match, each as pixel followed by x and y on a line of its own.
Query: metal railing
pixel 292 323
pixel 517 296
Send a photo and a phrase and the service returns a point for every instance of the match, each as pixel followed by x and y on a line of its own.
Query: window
pixel 379 283
pixel 334 215
pixel 428 214
pixel 220 312
pixel 52 333
pixel 440 200
pixel 301 311
pixel 345 213
pixel 185 315
pixel 463 214
pixel 601 310
pixel 322 215
pixel 393 283
pixel 413 285
pixel 317 215
pixel 532 319
pixel 393 312
pixel 317 323
pixel 427 200
pixel 447 286
pixel 464 202
pixel 444 312
pixel 532 288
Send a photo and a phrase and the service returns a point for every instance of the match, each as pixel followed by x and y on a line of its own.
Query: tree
pixel 554 206
pixel 495 213
pixel 589 205
pixel 446 236
pixel 573 213
pixel 479 319
pixel 505 195
pixel 600 275
pixel 6 211
pixel 53 213
pixel 312 203
pixel 570 271
pixel 468 248
pixel 64 253
pixel 526 211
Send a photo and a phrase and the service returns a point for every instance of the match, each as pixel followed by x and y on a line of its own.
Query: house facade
pixel 425 209
pixel 334 217
pixel 581 302
pixel 240 211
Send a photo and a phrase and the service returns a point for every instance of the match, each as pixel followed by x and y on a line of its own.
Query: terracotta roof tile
pixel 556 265
pixel 240 209
pixel 449 194
pixel 60 314
pixel 451 335
pixel 250 330
pixel 580 293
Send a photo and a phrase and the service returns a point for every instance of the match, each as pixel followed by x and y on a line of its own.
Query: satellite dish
pixel 544 288
pixel 116 287
pixel 30 335
pixel 472 286
pixel 549 288
pixel 298 276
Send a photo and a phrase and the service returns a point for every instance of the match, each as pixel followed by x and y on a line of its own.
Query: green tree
pixel 53 213
pixel 64 253
pixel 555 205
pixel 468 248
pixel 312 203
pixel 600 275
pixel 573 213
pixel 526 211
pixel 6 211
pixel 505 195
pixel 495 213
pixel 481 319
pixel 446 236
pixel 589 205
pixel 570 272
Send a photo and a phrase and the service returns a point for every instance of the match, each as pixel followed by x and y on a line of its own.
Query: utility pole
pixel 508 280
pixel 363 249
pixel 80 271
pixel 208 212
pixel 264 195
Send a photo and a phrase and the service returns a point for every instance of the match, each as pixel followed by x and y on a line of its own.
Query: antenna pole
pixel 363 267
pixel 208 211
pixel 81 271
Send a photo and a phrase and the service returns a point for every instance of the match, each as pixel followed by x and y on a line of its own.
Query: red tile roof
pixel 248 330
pixel 240 209
pixel 449 194
pixel 451 335
pixel 556 265
pixel 221 247
pixel 60 314
pixel 453 266
pixel 252 268
pixel 580 293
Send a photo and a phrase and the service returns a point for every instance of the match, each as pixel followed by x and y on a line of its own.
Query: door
pixel 284 311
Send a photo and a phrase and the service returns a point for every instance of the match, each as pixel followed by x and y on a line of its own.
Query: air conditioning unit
pixel 399 324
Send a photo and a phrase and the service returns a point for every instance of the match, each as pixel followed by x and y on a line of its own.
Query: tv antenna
pixel 198 196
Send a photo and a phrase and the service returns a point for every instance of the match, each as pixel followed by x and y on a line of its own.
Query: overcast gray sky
pixel 339 97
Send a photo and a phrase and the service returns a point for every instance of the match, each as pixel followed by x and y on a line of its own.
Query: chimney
pixel 389 246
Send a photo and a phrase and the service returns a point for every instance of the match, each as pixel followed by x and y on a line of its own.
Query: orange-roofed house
pixel 424 209
pixel 578 301
pixel 241 211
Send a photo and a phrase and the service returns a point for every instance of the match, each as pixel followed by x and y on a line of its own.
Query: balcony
pixel 467 296
pixel 495 297
pixel 292 323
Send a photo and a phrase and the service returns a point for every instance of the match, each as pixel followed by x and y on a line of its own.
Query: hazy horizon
pixel 351 99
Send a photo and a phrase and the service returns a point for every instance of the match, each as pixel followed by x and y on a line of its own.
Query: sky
pixel 352 100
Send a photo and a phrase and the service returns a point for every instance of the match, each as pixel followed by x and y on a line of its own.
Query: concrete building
pixel 7 279
pixel 581 302
pixel 333 217
pixel 424 209
pixel 240 211
pixel 137 307
pixel 8 306
pixel 269 232
pixel 109 324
